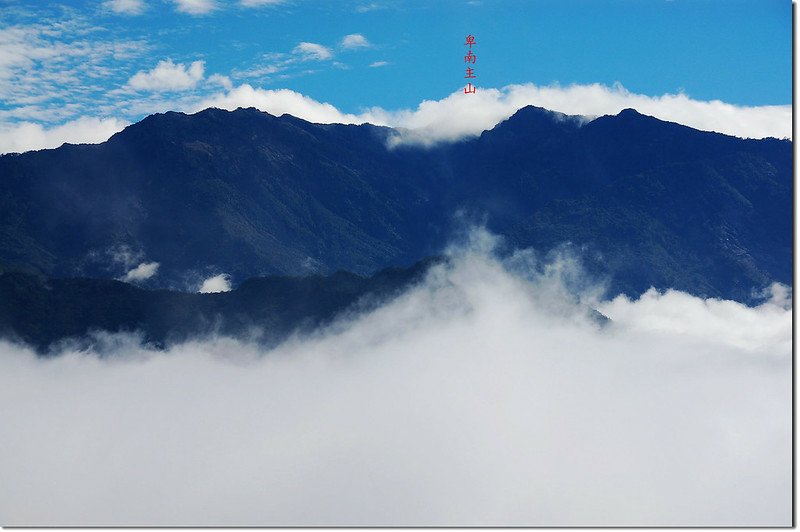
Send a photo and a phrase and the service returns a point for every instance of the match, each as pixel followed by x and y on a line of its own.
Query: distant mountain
pixel 250 194
pixel 43 312
pixel 48 314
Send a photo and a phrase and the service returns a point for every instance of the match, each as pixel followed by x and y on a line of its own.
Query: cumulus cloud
pixel 482 396
pixel 142 272
pixel 196 7
pixel 24 136
pixel 312 51
pixel 125 7
pixel 217 283
pixel 168 76
pixel 354 41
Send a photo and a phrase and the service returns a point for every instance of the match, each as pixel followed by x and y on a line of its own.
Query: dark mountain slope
pixel 653 203
pixel 42 312
pixel 247 193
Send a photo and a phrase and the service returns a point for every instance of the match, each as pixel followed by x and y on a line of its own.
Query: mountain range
pixel 245 193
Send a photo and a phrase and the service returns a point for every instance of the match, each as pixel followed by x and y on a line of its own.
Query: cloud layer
pixel 483 396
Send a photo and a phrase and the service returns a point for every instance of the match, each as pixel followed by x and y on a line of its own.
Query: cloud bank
pixel 483 396
pixel 450 119
pixel 457 117
pixel 26 136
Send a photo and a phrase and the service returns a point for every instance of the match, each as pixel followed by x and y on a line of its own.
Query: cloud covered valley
pixel 484 395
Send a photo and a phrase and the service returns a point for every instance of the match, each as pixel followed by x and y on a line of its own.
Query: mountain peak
pixel 629 111
pixel 533 121
pixel 533 112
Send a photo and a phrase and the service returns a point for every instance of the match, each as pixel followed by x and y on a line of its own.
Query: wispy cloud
pixel 196 7
pixel 125 7
pixel 142 272
pixel 260 3
pixel 66 60
pixel 372 6
pixel 377 64
pixel 312 51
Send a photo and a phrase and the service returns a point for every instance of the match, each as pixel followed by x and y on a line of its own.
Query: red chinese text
pixel 470 59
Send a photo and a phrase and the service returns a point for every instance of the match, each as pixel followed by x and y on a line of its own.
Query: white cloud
pixel 125 7
pixel 24 136
pixel 218 283
pixel 263 70
pixel 142 272
pixel 312 51
pixel 278 102
pixel 377 64
pixel 260 3
pixel 483 396
pixel 460 116
pixel 675 313
pixel 354 41
pixel 168 76
pixel 196 7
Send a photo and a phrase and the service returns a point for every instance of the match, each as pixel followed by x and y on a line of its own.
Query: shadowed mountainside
pixel 650 203
pixel 43 312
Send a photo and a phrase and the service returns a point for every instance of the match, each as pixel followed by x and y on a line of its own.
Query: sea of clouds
pixel 485 395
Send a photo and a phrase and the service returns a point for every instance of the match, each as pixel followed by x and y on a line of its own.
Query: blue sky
pixel 62 61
